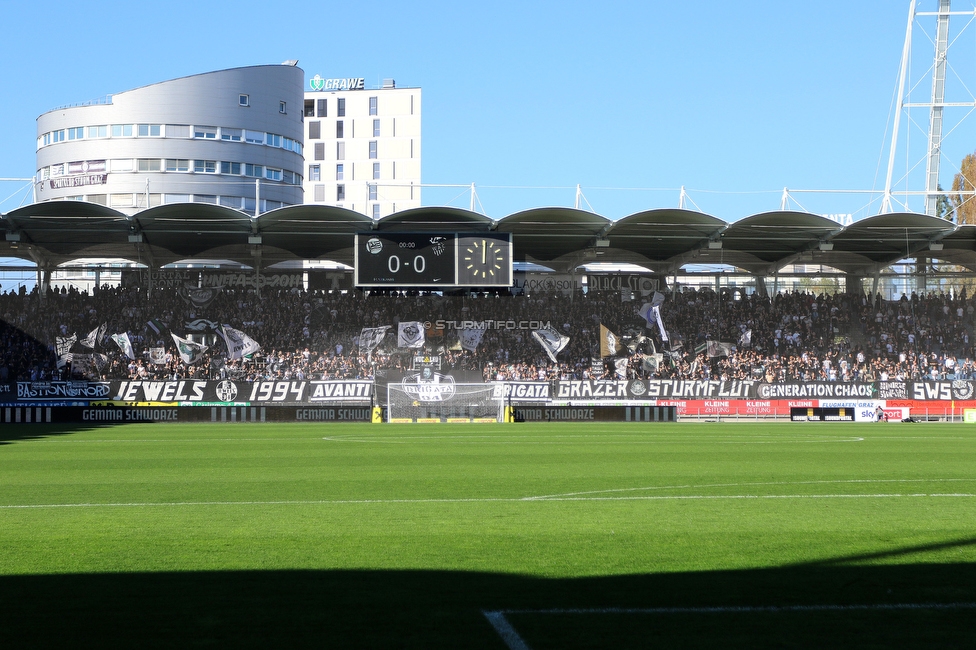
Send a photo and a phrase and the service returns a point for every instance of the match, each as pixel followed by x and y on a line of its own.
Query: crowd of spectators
pixel 795 336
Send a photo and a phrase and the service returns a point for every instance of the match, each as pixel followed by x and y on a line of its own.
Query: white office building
pixel 231 138
pixel 362 146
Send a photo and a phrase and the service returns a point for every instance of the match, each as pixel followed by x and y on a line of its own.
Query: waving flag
pixel 551 341
pixel 122 340
pixel 410 334
pixel 189 351
pixel 239 344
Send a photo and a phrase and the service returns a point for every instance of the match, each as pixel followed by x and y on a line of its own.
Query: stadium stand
pixel 314 335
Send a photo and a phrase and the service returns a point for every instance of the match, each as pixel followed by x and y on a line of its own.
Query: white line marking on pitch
pixel 327 502
pixel 715 485
pixel 499 620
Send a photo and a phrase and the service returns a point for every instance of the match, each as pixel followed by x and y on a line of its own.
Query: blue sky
pixel 733 100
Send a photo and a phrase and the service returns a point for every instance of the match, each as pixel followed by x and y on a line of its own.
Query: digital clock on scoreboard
pixel 433 260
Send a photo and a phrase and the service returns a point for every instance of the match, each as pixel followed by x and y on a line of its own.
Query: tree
pixel 964 205
pixel 943 205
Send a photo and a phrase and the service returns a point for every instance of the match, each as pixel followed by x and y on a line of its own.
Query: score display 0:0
pixel 419 264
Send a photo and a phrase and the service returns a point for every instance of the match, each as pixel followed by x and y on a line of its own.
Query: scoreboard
pixel 433 260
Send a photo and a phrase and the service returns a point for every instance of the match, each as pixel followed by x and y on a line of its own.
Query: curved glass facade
pixel 231 137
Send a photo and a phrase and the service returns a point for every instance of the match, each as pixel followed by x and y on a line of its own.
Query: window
pixel 372 149
pixel 339 129
pixel 121 130
pixel 243 100
pixel 340 171
pixel 58 136
pixel 376 128
pixel 76 133
pixel 372 106
pixel 124 165
pixel 154 200
pixel 231 201
pixel 309 108
pixel 205 166
pixel 176 198
pixel 283 107
pixel 205 198
pixel 273 140
pixel 57 170
pixel 319 193
pixel 254 171
pixel 341 107
pixel 98 131
pixel 340 192
pixel 149 164
pixel 314 172
pixel 376 171
pixel 289 177
pixel 45 139
pixel 230 168
pixel 319 151
pixel 376 210
pixel 372 191
pixel 230 135
pixel 254 137
pixel 122 201
pixel 314 130
pixel 177 165
pixel 100 199
pixel 340 150
pixel 272 174
pixel 323 108
pixel 205 132
pixel 153 130
pixel 177 130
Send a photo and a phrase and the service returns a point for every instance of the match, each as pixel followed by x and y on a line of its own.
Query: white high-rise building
pixel 362 146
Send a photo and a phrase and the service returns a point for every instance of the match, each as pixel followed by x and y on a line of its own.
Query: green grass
pixel 400 536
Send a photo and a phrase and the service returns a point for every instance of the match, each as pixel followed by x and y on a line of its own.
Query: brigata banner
pixel 523 391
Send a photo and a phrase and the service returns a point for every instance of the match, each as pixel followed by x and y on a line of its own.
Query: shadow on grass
pixel 10 433
pixel 443 609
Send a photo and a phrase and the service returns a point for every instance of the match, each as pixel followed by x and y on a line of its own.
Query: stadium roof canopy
pixel 663 240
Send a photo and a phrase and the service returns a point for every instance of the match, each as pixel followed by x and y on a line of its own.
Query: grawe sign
pixel 353 83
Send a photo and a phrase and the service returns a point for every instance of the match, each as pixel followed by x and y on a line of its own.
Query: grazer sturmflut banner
pixel 638 389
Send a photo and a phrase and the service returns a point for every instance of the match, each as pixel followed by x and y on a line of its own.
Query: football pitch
pixel 689 535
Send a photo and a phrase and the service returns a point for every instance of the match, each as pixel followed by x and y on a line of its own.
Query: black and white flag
pixel 95 337
pixel 189 351
pixel 122 340
pixel 551 341
pixel 371 337
pixel 239 344
pixel 64 344
pixel 410 334
pixel 470 338
pixel 199 296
